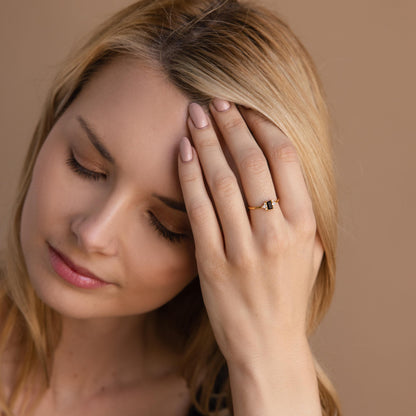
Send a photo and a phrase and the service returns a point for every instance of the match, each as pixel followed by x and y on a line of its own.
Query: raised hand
pixel 257 267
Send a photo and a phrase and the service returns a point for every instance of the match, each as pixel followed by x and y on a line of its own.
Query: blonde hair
pixel 240 52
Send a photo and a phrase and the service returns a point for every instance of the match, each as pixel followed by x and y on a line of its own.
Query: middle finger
pixel 251 163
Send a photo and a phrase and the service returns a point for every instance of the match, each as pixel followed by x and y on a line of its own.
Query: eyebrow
pixel 98 144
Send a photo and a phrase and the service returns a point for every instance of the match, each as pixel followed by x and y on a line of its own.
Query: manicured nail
pixel 221 105
pixel 198 115
pixel 185 150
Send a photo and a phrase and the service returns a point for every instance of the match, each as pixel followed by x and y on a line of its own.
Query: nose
pixel 98 227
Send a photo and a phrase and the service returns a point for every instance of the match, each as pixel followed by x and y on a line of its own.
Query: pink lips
pixel 76 275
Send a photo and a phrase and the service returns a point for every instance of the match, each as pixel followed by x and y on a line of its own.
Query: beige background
pixel 365 51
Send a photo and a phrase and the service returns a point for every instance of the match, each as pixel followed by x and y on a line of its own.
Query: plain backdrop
pixel 365 53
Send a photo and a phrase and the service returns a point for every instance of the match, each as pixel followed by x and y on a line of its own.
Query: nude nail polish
pixel 185 150
pixel 221 105
pixel 198 115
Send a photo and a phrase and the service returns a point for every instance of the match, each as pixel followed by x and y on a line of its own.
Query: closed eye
pixel 83 171
pixel 96 176
pixel 163 231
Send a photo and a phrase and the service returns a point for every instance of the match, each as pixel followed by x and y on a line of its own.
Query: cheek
pixel 45 198
pixel 48 201
pixel 168 267
pixel 156 275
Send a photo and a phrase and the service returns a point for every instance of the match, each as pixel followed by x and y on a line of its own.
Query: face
pixel 101 198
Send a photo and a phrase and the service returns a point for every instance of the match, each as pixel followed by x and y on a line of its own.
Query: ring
pixel 267 205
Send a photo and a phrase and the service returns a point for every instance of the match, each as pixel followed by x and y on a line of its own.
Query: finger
pixel 251 163
pixel 295 202
pixel 220 178
pixel 205 228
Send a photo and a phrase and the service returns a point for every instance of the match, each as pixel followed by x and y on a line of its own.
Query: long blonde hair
pixel 238 51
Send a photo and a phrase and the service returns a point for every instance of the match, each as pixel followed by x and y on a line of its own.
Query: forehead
pixel 139 114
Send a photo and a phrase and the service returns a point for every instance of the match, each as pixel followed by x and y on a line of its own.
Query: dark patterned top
pixel 194 412
pixel 222 376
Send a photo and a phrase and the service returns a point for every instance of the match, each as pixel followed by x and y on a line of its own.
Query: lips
pixel 72 273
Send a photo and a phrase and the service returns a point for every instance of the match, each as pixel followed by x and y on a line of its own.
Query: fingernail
pixel 221 105
pixel 185 150
pixel 198 115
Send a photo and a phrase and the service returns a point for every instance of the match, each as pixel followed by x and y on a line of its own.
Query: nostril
pixel 94 236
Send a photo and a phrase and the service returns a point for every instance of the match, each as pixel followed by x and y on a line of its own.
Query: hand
pixel 256 268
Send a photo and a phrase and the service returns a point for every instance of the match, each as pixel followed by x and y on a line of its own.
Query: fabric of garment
pixel 219 382
pixel 194 412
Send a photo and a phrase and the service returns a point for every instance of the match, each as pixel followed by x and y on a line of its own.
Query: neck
pixel 104 354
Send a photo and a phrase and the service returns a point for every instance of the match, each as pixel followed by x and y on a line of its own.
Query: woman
pixel 173 240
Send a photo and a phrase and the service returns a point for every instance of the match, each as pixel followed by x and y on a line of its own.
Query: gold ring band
pixel 267 205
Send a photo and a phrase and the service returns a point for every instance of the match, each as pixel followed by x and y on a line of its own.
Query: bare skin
pixel 140 374
pixel 256 268
pixel 108 360
pixel 131 387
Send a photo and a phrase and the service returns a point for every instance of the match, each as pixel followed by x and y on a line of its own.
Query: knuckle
pixel 306 224
pixel 274 242
pixel 244 261
pixel 215 268
pixel 198 211
pixel 207 142
pixel 243 254
pixel 189 177
pixel 254 162
pixel 258 121
pixel 233 123
pixel 225 184
pixel 285 152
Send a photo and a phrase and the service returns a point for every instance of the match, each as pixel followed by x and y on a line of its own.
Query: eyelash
pixel 88 174
pixel 163 231
pixel 84 172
